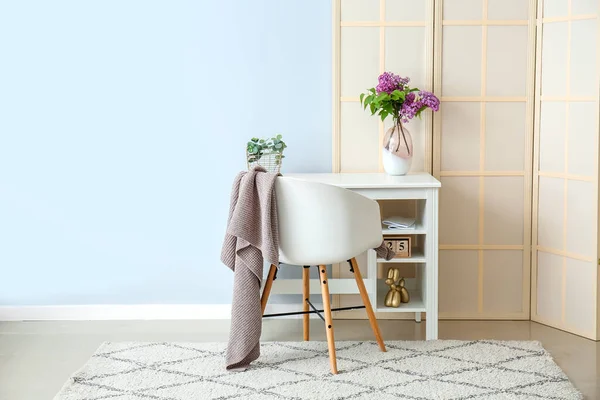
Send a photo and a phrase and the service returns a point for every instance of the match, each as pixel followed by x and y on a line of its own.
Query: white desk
pixel 422 189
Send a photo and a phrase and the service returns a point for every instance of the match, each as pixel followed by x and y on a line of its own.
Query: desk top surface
pixel 372 180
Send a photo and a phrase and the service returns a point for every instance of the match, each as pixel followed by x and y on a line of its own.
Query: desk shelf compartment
pixel 418 255
pixel 404 208
pixel 416 303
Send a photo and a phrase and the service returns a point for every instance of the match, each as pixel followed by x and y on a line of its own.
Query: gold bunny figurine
pixel 397 293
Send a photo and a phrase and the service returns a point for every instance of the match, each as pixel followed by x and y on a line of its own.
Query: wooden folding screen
pixel 565 223
pixel 482 155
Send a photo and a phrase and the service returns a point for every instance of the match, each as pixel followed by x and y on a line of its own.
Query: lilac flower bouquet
pixel 393 96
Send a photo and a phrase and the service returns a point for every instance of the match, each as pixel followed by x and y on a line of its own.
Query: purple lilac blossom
pixel 414 102
pixel 430 100
pixel 388 82
pixel 409 108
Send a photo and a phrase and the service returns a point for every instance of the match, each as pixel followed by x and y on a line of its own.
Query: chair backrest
pixel 324 224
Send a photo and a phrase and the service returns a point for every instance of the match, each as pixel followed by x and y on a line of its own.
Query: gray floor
pixel 36 358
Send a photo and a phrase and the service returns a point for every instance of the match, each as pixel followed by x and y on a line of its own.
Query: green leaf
pixel 362 96
pixel 383 115
pixel 254 139
pixel 398 95
pixel 279 137
pixel 368 100
pixel 373 108
pixel 382 96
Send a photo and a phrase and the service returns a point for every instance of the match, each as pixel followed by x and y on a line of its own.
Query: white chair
pixel 322 224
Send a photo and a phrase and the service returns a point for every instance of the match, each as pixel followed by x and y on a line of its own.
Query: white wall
pixel 122 126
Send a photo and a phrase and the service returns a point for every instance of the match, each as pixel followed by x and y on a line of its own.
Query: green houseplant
pixel 268 153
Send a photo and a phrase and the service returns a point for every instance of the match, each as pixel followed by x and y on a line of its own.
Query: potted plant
pixel 394 97
pixel 268 153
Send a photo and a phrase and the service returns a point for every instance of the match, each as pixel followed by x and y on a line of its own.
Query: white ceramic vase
pixel 397 150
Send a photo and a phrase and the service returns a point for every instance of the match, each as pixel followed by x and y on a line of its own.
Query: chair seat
pixel 327 258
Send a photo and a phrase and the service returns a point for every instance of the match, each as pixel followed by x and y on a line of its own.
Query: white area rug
pixel 418 370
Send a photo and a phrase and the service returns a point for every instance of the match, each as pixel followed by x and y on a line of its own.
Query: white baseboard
pixel 103 312
pixel 106 312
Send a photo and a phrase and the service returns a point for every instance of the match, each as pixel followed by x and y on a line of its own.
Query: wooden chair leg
pixel 328 319
pixel 267 290
pixel 305 297
pixel 365 298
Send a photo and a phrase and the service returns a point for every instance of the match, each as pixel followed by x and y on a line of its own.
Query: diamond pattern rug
pixel 417 370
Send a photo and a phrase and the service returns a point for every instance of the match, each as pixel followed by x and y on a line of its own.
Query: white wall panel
pixel 505 129
pixel 359 10
pixel 551 212
pixel 461 60
pixel 502 282
pixel 582 146
pixel 549 286
pixel 584 65
pixel 460 143
pixel 360 140
pixel 554 59
pixel 584 7
pixel 552 136
pixel 406 10
pixel 580 295
pixel 506 55
pixel 508 9
pixel 458 271
pixel 463 9
pixel 359 59
pixel 504 211
pixel 555 8
pixel 459 218
pixel 580 230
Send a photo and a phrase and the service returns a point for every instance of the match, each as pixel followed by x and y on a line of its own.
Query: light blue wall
pixel 122 125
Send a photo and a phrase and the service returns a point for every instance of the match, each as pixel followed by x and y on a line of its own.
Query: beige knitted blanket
pixel 252 236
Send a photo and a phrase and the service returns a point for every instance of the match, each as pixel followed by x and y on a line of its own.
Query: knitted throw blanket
pixel 251 237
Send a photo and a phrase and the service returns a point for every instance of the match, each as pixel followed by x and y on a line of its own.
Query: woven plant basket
pixel 269 161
